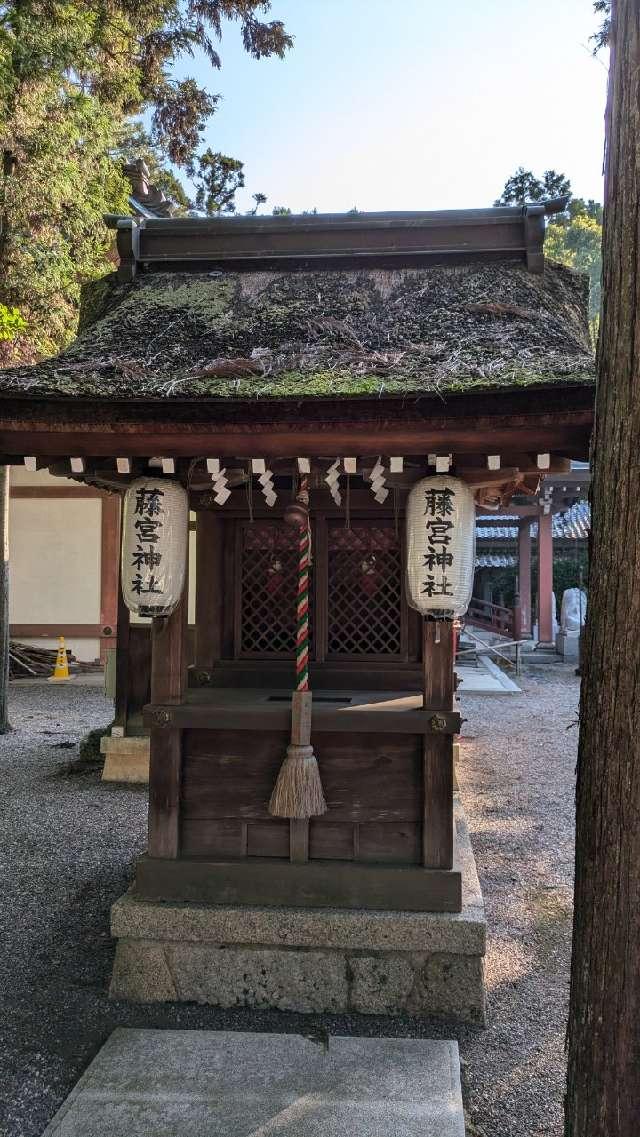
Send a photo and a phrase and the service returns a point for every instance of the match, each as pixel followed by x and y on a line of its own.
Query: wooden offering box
pixel 369 849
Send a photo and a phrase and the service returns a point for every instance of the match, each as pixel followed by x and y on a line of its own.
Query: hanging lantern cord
pixel 298 790
pixel 302 623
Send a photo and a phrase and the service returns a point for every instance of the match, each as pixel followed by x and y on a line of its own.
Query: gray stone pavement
pixel 180 1083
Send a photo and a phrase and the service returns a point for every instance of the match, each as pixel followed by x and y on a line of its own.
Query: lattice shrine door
pixel 358 609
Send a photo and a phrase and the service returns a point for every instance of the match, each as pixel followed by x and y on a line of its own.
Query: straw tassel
pixel 298 791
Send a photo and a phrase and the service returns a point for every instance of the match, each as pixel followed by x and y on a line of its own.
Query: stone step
pixel 187 1083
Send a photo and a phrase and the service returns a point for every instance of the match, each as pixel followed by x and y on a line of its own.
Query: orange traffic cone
pixel 61 669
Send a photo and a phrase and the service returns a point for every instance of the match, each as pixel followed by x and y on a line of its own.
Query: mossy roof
pixel 331 334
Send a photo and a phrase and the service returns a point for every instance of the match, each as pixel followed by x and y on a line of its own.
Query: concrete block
pixel 227 1084
pixel 125 759
pixel 452 986
pixel 381 984
pixel 141 973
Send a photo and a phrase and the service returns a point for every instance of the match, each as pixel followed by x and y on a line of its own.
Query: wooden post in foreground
pixel 603 1084
pixel 438 665
pixel 4 600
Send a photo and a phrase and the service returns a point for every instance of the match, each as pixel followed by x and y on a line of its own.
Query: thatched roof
pixel 432 330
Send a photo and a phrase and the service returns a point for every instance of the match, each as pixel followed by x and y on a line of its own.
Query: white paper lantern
pixel 441 539
pixel 155 532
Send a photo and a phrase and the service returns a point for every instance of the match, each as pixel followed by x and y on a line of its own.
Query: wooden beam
pixel 318 884
pixel 76 491
pixel 109 550
pixel 564 433
pixel 209 588
pixel 438 662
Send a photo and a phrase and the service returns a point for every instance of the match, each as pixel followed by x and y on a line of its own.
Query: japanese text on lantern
pixel 439 507
pixel 148 527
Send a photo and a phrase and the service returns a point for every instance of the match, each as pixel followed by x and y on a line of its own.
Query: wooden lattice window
pixel 268 583
pixel 365 613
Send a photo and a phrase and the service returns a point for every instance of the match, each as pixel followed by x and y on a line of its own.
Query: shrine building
pixel 259 371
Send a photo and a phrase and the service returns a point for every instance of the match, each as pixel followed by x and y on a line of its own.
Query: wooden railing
pixel 491 617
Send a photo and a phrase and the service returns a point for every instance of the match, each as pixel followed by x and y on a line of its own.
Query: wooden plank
pixel 268 838
pixel 210 594
pixel 164 792
pixel 230 774
pixel 324 718
pixel 63 490
pixel 438 661
pixel 369 778
pixel 213 838
pixel 299 840
pixel 329 841
pixel 399 844
pixel 318 884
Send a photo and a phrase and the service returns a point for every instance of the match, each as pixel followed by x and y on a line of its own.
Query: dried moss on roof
pixel 340 333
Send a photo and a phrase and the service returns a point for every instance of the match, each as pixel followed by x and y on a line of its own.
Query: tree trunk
pixel 4 599
pixel 603 1088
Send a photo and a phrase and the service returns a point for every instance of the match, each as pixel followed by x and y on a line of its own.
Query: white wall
pixel 55 561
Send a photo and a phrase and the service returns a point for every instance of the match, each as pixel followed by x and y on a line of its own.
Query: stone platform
pixel 152 1083
pixel 307 959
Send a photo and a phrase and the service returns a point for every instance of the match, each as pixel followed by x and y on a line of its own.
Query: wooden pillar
pixel 545 578
pixel 524 581
pixel 109 571
pixel 209 589
pixel 168 686
pixel 438 664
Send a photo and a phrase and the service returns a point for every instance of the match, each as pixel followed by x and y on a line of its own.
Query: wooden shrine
pixel 243 349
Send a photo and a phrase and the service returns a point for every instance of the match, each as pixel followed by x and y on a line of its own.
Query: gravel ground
pixel 67 852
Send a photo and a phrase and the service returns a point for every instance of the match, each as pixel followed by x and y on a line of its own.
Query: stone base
pixel 125 759
pixel 309 960
pixel 568 647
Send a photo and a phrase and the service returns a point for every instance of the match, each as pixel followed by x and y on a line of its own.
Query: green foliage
pixel 218 179
pixel 601 37
pixel 524 186
pixel 574 237
pixel 259 199
pixel 73 74
pixel 11 323
pixel 281 211
pixel 578 243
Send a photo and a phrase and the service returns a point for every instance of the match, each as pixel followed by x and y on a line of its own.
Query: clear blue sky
pixel 411 104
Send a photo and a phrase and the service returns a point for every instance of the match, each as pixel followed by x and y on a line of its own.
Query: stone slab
pixel 149 1083
pixel 125 759
pixel 339 928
